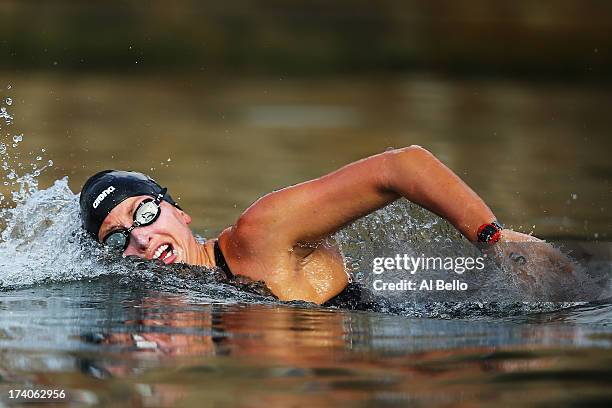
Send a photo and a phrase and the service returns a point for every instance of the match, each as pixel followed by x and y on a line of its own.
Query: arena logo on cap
pixel 102 196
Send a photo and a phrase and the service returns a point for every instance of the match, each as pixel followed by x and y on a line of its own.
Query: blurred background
pixel 225 101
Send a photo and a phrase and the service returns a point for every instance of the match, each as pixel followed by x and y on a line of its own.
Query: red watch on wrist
pixel 489 233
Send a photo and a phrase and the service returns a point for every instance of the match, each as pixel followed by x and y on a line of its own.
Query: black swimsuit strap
pixel 220 260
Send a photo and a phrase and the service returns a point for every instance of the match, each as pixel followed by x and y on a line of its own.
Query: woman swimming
pixel 279 239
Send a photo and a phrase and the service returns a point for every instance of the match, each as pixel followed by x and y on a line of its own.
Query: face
pixel 168 238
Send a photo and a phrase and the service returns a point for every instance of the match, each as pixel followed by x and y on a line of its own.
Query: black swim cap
pixel 107 189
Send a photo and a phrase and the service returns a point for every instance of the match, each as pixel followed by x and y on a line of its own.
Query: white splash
pixel 41 238
pixel 43 241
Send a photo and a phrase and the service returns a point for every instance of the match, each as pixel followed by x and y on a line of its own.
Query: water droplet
pixel 17 138
pixel 38 158
pixel 50 163
pixel 43 150
pixel 574 196
pixel 2 148
pixel 169 159
pixel 8 86
pixel 8 101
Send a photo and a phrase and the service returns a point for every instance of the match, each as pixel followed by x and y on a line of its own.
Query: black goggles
pixel 146 214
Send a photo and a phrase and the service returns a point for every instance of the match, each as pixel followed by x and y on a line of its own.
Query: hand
pixel 535 265
pixel 508 235
pixel 528 250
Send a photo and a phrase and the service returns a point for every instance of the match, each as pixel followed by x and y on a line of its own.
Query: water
pixel 231 140
pixel 110 342
pixel 124 332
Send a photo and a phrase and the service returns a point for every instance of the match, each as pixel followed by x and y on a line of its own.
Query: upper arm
pixel 310 211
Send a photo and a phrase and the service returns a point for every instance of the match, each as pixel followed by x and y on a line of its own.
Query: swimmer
pixel 279 239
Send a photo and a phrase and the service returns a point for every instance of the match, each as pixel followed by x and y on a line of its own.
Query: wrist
pixel 490 233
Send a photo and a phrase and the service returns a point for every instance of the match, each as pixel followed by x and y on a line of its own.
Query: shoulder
pixel 290 272
pixel 250 250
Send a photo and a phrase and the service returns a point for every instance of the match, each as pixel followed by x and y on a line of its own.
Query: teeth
pixel 159 251
pixel 168 255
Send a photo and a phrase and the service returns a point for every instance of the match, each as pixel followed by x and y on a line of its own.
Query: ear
pixel 186 217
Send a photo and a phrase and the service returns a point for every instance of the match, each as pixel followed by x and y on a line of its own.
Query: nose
pixel 140 238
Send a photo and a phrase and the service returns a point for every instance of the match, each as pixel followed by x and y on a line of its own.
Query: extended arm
pixel 315 209
pixel 262 244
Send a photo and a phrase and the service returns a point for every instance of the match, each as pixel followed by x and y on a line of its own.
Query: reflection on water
pixel 538 153
pixel 111 343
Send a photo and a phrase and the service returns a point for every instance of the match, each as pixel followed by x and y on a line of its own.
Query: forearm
pixel 419 176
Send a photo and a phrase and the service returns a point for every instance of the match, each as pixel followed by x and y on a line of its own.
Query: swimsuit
pixel 220 261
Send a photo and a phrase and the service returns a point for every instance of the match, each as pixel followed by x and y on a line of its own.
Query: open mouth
pixel 166 253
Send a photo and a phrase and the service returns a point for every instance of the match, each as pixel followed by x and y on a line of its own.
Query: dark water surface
pixel 112 343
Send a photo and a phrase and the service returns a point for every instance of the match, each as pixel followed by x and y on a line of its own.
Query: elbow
pixel 404 162
pixel 413 153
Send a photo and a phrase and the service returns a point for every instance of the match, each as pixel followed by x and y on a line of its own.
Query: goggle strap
pixel 161 195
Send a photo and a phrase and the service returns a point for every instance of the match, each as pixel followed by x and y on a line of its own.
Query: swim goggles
pixel 146 213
